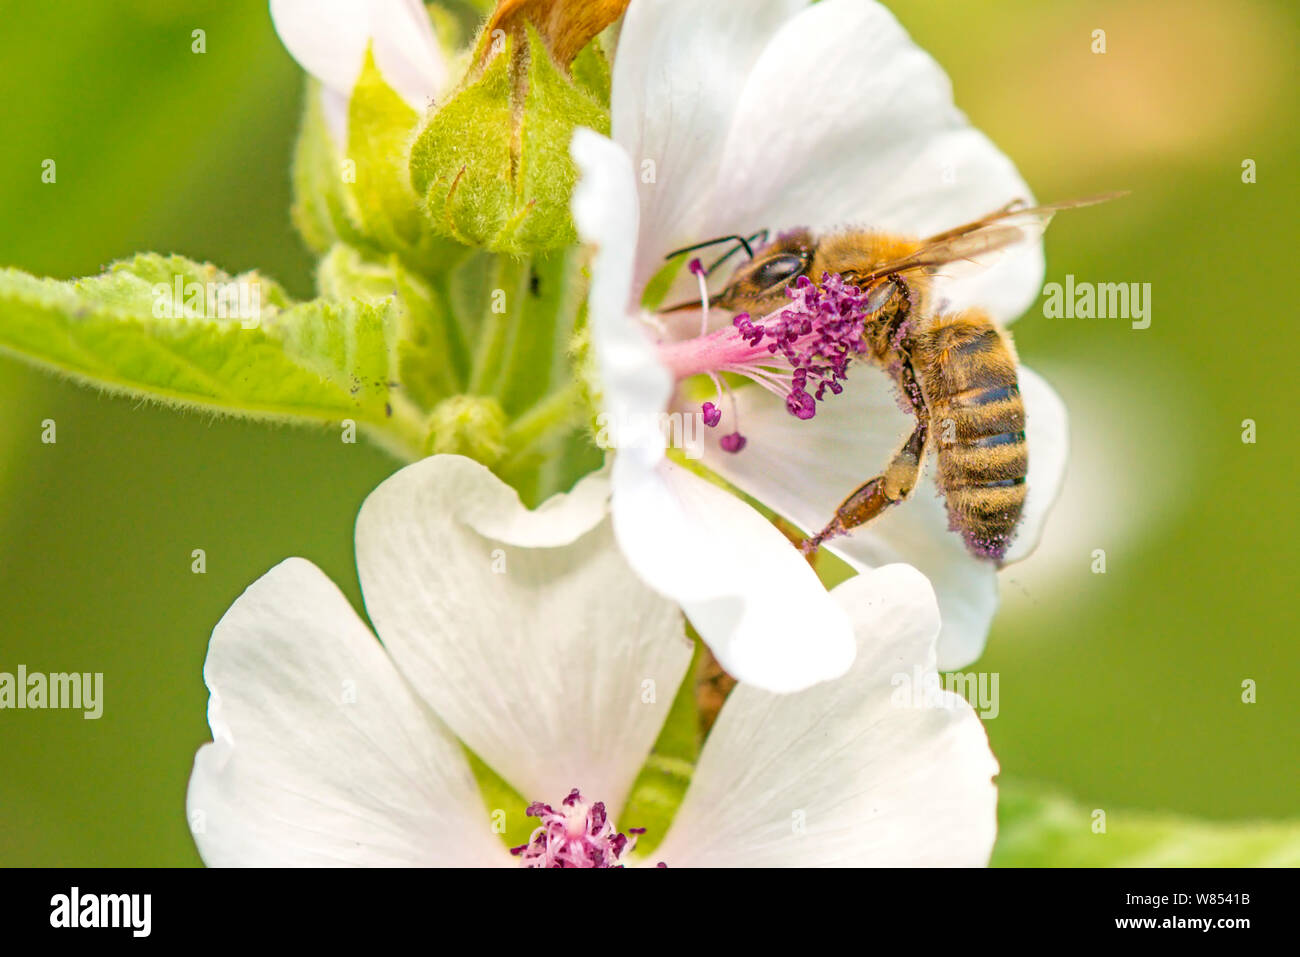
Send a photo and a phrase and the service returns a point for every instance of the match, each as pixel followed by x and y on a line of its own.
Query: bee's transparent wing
pixel 980 244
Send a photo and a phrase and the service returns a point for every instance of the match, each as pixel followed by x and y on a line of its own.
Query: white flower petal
pixel 749 593
pixel 868 137
pixel 844 774
pixel 956 178
pixel 679 70
pixel 804 470
pixel 321 754
pixel 328 38
pixel 334 106
pixel 407 52
pixel 966 587
pixel 837 105
pixel 524 630
pixel 709 552
pixel 634 385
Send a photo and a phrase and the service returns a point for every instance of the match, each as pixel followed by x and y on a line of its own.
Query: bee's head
pixel 759 286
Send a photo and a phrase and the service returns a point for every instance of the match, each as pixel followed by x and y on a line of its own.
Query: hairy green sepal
pixel 493 164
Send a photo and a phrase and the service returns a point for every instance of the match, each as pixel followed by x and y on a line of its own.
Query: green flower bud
pixel 470 425
pixel 324 210
pixel 380 127
pixel 493 164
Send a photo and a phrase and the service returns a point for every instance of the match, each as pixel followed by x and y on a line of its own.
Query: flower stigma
pixel 577 834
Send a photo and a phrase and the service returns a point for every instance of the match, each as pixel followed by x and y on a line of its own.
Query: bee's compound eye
pixel 878 296
pixel 778 269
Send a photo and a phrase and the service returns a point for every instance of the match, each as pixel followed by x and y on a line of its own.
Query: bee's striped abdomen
pixel 977 426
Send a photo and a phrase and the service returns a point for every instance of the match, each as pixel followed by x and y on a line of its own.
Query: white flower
pixel 733 117
pixel 525 636
pixel 329 39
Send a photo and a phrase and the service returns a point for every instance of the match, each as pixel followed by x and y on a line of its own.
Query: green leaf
pixel 188 334
pixel 1038 828
pixel 427 335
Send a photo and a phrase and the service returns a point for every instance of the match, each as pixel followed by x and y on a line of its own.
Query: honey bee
pixel 956 371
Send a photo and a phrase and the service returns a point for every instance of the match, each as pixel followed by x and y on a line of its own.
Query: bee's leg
pixel 873 497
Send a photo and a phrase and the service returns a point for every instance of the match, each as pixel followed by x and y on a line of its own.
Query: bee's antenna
pixel 712 242
pixel 760 236
pixel 742 242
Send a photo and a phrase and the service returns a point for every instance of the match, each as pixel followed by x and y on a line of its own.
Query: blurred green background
pixel 1121 690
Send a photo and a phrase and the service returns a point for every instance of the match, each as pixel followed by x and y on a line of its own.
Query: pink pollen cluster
pixel 800 351
pixel 576 835
pixel 817 334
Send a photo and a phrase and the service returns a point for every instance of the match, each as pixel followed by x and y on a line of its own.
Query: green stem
pixel 402 434
pixel 557 412
pixel 491 347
